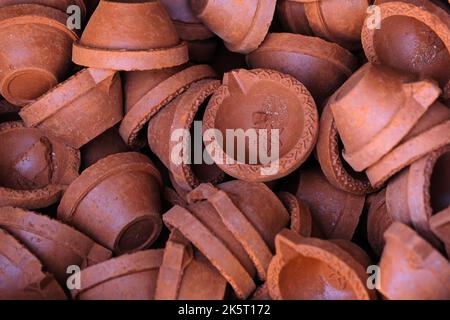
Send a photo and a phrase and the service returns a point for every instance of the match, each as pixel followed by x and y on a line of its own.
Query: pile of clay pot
pixel 93 206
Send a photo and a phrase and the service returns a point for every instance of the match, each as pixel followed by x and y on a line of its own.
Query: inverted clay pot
pixel 301 221
pixel 57 245
pixel 411 269
pixel 335 212
pixel 61 5
pixel 378 221
pixel 320 65
pixel 128 277
pixel 234 226
pixel 34 169
pixel 241 25
pixel 40 35
pixel 314 269
pixel 261 101
pixel 130 35
pixel 440 225
pixel 116 202
pixel 79 109
pixel 22 274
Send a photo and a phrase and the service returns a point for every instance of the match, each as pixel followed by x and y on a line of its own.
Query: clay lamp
pixel 185 274
pixel 116 202
pixel 335 212
pixel 320 65
pixel 242 26
pixel 426 53
pixel 22 274
pixel 262 101
pixel 57 245
pixel 411 268
pixel 146 92
pixel 40 35
pixel 315 269
pixel 130 35
pixel 34 169
pixel 8 112
pixel 61 5
pixel 378 221
pixel 301 220
pixel 128 277
pixel 80 108
pixel 178 115
pixel 234 226
pixel 440 225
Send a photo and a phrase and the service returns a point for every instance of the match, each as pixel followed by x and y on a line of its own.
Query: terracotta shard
pixel 301 221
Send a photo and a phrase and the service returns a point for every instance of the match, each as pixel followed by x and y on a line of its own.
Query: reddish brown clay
pixel 173 198
pixel 116 202
pixel 411 268
pixel 35 51
pixel 301 221
pixel 79 109
pixel 57 245
pixel 34 169
pixel 61 5
pixel 310 268
pixel 130 35
pixel 22 275
pixel 129 277
pixel 261 293
pixel 272 101
pixel 320 65
pixel 440 225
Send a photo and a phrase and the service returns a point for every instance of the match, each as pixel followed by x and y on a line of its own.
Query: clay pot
pixel 242 26
pixel 440 225
pixel 22 274
pixel 301 221
pixel 116 202
pixel 44 42
pixel 335 212
pixel 129 277
pixel 34 169
pixel 320 65
pixel 130 35
pixel 411 268
pixel 312 269
pixel 146 92
pixel 378 221
pixel 234 226
pixel 57 245
pixel 163 138
pixel 258 100
pixel 57 4
pixel 8 112
pixel 427 50
pixel 333 20
pixel 80 108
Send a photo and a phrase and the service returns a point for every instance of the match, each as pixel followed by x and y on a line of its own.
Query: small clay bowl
pixel 80 108
pixel 40 35
pixel 129 277
pixel 312 269
pixel 320 65
pixel 57 245
pixel 242 26
pixel 301 221
pixel 116 202
pixel 61 5
pixel 130 35
pixel 411 268
pixel 440 225
pixel 335 212
pixel 34 169
pixel 22 274
pixel 267 100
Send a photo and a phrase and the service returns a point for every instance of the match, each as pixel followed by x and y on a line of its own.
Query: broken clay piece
pixel 440 225
pixel 301 221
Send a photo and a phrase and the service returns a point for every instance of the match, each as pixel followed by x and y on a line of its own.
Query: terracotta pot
pixel 202 51
pixel 335 212
pixel 57 245
pixel 233 228
pixel 8 112
pixel 320 65
pixel 129 277
pixel 411 268
pixel 440 225
pixel 333 20
pixel 116 202
pixel 242 26
pixel 375 109
pixel 22 274
pixel 301 221
pixel 425 25
pixel 34 169
pixel 272 101
pixel 57 4
pixel 178 115
pixel 80 108
pixel 130 35
pixel 310 269
pixel 41 37
pixel 146 92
